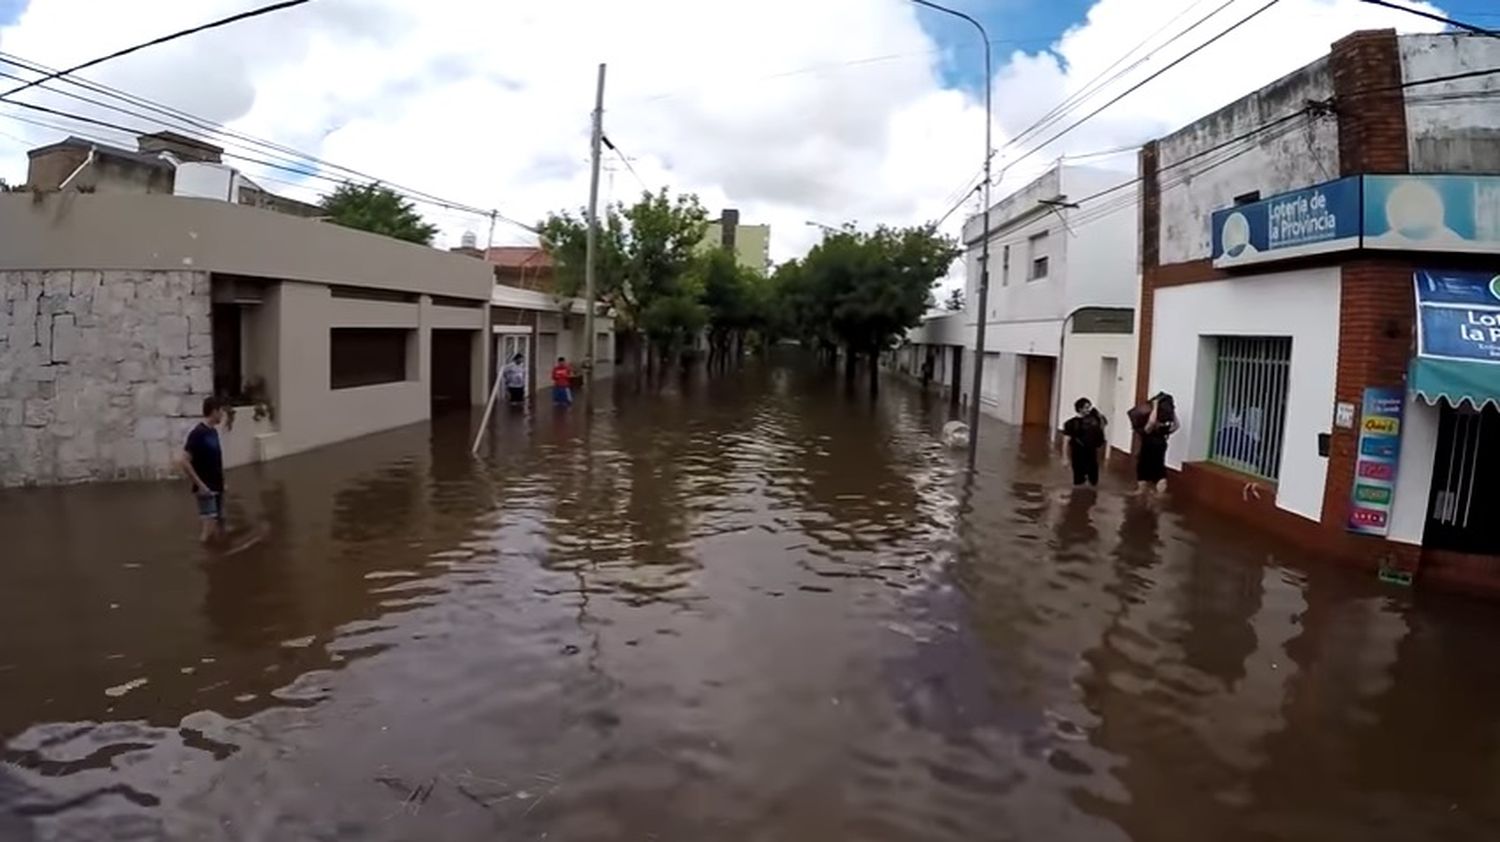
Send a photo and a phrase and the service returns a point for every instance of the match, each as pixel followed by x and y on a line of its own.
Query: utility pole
pixel 592 242
pixel 984 246
pixel 490 240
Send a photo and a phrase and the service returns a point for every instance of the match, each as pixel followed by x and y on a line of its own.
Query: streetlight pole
pixel 984 247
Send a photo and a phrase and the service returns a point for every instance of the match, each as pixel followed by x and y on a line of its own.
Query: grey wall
pixel 1454 126
pixel 173 233
pixel 101 373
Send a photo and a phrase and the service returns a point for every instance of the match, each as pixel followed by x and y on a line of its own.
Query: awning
pixel 1458 338
pixel 1455 382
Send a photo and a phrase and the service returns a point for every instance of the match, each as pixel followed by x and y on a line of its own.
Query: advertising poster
pixel 1375 463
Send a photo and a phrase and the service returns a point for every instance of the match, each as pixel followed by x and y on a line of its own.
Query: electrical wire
pixel 629 166
pixel 274 7
pixel 217 133
pixel 1138 85
pixel 1457 24
pixel 1094 85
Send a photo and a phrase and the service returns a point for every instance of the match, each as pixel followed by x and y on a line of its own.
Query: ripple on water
pixel 760 610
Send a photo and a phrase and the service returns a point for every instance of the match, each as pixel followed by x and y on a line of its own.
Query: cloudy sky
pixel 790 110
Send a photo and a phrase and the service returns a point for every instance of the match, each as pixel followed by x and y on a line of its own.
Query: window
pixel 228 361
pixel 360 356
pixel 1250 404
pixel 1038 246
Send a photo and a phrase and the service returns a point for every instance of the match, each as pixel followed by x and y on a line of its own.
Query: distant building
pixel 751 244
pixel 163 162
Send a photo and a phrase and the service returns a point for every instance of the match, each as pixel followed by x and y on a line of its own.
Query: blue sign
pixel 1318 220
pixel 1373 495
pixel 1452 213
pixel 1458 315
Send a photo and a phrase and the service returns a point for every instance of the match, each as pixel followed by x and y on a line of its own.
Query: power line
pixel 236 156
pixel 1138 85
pixel 838 65
pixel 283 157
pixel 1477 30
pixel 275 7
pixel 626 161
pixel 1094 85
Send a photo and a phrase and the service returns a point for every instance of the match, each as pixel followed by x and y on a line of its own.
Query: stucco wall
pixel 1083 376
pixel 173 233
pixel 101 373
pixel 310 413
pixel 1297 153
pixel 1301 304
pixel 1453 126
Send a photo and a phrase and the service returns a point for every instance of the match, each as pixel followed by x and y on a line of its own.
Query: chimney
pixel 727 225
pixel 183 147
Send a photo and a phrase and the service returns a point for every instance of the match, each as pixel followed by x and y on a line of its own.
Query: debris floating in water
pixel 120 690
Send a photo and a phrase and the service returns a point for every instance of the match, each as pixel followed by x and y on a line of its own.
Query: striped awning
pixel 1458 338
pixel 1457 383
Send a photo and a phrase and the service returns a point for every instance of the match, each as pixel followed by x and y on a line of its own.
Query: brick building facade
pixel 1315 329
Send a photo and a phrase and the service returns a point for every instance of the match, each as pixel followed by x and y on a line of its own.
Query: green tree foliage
pixel 862 291
pixel 955 300
pixel 737 300
pixel 647 264
pixel 379 210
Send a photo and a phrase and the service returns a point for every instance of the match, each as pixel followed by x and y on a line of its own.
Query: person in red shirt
pixel 562 383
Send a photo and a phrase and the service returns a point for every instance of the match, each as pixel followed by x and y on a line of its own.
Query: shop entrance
pixel 1465 482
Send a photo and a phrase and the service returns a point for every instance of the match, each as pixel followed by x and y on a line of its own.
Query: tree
pixel 378 209
pixel 955 300
pixel 647 252
pixel 864 290
pixel 736 300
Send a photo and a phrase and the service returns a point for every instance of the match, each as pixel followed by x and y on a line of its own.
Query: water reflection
pixel 742 607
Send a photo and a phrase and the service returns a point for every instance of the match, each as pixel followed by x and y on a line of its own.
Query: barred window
pixel 1250 404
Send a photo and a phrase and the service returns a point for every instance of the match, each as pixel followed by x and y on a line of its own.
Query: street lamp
pixel 829 228
pixel 984 248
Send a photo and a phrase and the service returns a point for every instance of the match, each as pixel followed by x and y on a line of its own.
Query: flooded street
pixel 748 608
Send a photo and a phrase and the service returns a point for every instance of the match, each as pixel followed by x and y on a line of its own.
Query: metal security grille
pixel 1466 482
pixel 1250 404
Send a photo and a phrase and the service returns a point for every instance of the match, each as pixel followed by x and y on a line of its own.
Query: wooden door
pixel 1038 408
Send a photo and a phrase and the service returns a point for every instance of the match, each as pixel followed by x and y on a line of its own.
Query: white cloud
pixel 789 110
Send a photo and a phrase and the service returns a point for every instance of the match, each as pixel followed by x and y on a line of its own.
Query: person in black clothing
pixel 1086 439
pixel 202 461
pixel 1155 422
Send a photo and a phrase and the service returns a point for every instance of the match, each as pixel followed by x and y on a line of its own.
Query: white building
pixel 1063 286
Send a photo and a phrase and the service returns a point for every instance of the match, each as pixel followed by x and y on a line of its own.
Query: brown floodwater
pixel 749 608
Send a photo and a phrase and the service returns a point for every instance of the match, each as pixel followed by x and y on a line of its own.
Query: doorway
pixel 507 346
pixel 1109 381
pixel 452 370
pixel 1465 482
pixel 1037 411
pixel 956 384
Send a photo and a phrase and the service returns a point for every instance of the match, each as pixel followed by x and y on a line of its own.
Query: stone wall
pixel 101 373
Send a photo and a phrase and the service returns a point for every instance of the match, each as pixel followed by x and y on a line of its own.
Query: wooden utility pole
pixel 592 242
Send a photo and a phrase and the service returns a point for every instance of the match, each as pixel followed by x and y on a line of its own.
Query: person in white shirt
pixel 514 378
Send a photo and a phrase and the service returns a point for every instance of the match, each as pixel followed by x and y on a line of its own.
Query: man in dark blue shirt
pixel 202 460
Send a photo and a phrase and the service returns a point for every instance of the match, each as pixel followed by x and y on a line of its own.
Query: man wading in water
pixel 1085 434
pixel 202 461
